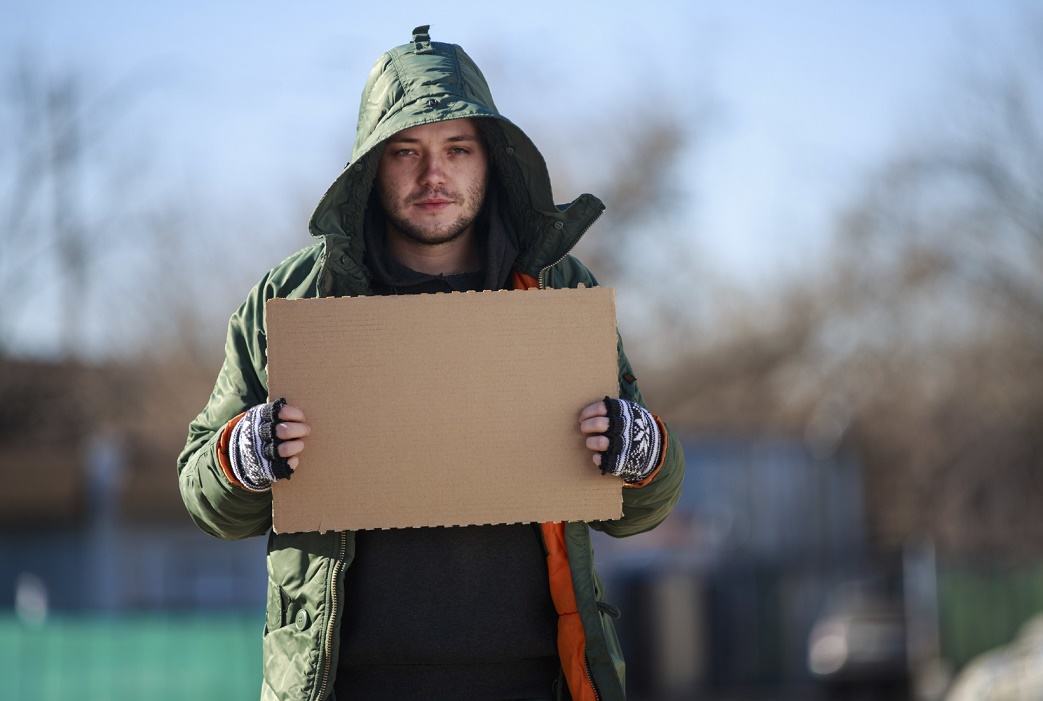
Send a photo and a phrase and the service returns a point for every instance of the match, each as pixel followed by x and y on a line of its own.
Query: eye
pixel 457 150
pixel 402 152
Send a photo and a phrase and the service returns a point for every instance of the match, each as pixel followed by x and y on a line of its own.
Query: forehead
pixel 438 131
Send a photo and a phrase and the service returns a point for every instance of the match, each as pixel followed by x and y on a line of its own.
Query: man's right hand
pixel 266 444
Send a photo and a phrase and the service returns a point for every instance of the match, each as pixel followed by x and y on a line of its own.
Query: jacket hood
pixel 423 82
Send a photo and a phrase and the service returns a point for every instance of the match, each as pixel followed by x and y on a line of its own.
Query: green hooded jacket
pixel 417 83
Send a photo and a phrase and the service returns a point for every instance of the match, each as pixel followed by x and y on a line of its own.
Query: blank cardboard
pixel 444 409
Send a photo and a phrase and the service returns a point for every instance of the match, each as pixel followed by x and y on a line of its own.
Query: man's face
pixel 431 180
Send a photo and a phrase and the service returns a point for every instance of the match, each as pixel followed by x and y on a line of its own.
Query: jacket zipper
pixel 539 278
pixel 332 616
pixel 590 678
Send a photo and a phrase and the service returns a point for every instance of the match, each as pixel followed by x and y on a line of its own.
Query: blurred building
pixel 91 517
pixel 741 593
pixel 723 596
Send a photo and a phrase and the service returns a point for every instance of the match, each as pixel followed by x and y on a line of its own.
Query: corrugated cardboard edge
pixel 550 516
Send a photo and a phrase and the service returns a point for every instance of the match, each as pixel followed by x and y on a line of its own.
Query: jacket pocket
pixel 289 660
pixel 275 614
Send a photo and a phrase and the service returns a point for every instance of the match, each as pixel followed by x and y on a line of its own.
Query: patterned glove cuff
pixel 634 441
pixel 254 448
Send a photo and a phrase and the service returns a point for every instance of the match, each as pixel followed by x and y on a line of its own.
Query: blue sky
pixel 256 102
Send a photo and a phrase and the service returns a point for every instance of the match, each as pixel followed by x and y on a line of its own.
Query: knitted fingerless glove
pixel 253 448
pixel 634 441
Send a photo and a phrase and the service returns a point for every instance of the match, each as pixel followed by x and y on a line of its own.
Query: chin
pixel 433 233
pixel 432 237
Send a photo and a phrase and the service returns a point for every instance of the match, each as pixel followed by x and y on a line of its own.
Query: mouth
pixel 432 204
pixel 433 201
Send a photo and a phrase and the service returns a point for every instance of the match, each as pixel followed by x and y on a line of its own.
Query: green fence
pixel 982 608
pixel 154 657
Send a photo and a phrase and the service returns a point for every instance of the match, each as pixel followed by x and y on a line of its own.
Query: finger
pixel 597 459
pixel 599 424
pixel 292 429
pixel 290 413
pixel 290 448
pixel 597 443
pixel 293 462
pixel 595 409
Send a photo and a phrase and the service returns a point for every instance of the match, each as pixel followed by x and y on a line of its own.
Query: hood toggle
pixel 422 39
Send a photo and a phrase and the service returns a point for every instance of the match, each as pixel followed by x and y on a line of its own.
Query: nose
pixel 432 173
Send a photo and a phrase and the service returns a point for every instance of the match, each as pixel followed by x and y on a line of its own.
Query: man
pixel 442 194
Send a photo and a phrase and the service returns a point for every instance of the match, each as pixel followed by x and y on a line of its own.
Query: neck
pixel 457 256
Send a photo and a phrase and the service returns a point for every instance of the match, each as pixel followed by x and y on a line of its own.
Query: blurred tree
pixel 646 244
pixel 89 252
pixel 919 346
pixel 49 165
pixel 944 276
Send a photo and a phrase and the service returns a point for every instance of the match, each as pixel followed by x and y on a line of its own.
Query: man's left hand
pixel 624 437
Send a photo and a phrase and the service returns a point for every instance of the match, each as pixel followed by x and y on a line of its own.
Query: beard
pixel 430 233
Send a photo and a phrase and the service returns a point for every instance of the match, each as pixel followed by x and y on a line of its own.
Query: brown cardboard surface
pixel 444 409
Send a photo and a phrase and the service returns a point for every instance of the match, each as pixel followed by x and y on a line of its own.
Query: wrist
pixel 254 448
pixel 635 441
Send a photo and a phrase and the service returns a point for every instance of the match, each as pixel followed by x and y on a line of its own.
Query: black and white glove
pixel 634 441
pixel 253 448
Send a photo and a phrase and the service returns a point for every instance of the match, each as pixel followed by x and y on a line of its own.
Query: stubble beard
pixel 434 234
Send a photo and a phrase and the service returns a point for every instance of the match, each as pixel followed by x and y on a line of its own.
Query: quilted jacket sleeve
pixel 647 505
pixel 214 503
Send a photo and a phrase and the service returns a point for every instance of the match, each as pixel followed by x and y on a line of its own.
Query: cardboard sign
pixel 444 409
